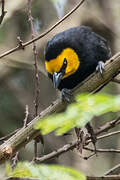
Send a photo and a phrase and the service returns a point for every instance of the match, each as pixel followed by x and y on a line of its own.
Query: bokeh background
pixel 17 82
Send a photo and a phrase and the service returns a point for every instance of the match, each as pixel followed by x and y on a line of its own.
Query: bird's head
pixel 61 66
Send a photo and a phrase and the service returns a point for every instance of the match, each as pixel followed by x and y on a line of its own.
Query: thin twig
pixel 35 53
pixel 9 135
pixel 114 170
pixel 12 133
pixel 43 34
pixel 3 11
pixel 103 150
pixel 58 152
pixel 36 75
pixel 14 160
pixel 104 136
pixel 26 116
pixel 107 126
pixel 91 155
pixel 108 135
pixel 20 42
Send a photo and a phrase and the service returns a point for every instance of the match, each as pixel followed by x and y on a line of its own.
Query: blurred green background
pixel 17 80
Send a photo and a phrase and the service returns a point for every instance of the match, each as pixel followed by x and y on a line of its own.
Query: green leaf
pixel 79 113
pixel 44 172
pixel 21 170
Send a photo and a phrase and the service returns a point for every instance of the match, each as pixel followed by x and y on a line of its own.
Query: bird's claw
pixel 100 67
pixel 66 95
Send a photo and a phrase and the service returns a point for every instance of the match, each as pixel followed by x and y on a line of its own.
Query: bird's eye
pixel 63 68
pixel 64 64
pixel 65 61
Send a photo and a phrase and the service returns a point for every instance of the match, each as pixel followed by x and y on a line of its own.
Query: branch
pixel 43 34
pixel 91 84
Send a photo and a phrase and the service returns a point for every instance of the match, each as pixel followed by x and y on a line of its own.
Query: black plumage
pixel 89 46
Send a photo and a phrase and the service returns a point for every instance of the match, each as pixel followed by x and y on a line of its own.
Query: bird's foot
pixel 66 95
pixel 100 67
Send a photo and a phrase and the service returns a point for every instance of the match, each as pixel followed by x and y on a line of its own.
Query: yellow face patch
pixel 73 62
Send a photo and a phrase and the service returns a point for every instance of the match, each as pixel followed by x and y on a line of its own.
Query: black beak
pixel 57 77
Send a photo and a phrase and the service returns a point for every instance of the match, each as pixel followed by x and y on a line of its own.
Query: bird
pixel 74 54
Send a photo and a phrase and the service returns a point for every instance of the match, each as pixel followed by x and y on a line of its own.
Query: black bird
pixel 73 55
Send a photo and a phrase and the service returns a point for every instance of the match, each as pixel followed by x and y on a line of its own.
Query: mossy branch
pixel 93 83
